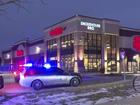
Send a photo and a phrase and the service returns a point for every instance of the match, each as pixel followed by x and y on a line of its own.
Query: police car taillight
pixel 15 73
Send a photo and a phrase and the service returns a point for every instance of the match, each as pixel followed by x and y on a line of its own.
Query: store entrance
pixel 132 66
pixel 92 52
pixel 92 63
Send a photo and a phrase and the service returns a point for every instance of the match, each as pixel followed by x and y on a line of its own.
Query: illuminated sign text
pixel 90 26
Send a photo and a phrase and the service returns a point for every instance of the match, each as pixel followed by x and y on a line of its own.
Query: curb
pixel 117 84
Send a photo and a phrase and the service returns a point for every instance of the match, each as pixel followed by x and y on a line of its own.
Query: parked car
pixel 38 77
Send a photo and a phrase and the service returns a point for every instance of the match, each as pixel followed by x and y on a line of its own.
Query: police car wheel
pixel 37 85
pixel 74 82
pixel 1 82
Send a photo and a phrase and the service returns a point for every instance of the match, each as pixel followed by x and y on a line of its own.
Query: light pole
pixel 122 53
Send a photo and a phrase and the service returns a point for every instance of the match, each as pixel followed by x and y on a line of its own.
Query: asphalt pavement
pixel 12 87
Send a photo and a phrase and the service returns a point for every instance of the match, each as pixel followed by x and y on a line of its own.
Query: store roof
pixel 82 16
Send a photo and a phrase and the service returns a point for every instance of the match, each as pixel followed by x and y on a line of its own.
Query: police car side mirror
pixel 1 82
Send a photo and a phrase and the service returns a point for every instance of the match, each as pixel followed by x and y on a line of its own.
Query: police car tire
pixel 1 82
pixel 75 82
pixel 36 83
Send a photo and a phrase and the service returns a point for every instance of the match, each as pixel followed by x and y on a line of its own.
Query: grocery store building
pixel 81 44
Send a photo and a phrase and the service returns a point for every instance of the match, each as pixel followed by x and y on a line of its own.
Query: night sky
pixel 17 24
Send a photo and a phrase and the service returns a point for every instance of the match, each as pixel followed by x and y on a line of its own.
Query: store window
pixel 92 52
pixel 52 49
pixel 66 46
pixel 111 52
pixel 67 52
pixel 67 62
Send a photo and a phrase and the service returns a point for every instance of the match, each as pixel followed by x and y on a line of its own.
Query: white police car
pixel 38 77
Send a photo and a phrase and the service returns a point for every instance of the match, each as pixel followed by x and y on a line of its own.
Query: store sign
pixel 136 43
pixel 19 53
pixel 56 31
pixel 90 26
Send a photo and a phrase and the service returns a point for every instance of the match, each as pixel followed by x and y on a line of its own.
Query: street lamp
pixel 122 54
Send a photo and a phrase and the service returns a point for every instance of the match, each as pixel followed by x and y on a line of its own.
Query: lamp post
pixel 122 53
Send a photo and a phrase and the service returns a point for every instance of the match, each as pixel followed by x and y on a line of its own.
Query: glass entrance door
pixel 92 52
pixel 132 67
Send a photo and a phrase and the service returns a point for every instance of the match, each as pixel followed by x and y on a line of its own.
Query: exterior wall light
pixel 8 56
pixel 108 46
pixel 135 57
pixel 38 49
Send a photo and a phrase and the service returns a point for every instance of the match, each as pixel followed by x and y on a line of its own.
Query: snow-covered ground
pixel 81 97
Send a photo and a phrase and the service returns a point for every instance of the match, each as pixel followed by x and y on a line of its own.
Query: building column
pixel 12 57
pixel 118 55
pixel 58 52
pixel 75 53
pixel 105 61
pixel 45 51
pixel 78 52
pixel 26 50
pixel 104 55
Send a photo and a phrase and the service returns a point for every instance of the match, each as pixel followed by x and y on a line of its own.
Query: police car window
pixel 51 71
pixel 57 71
pixel 35 71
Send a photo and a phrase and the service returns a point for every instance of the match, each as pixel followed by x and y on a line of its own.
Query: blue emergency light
pixel 47 66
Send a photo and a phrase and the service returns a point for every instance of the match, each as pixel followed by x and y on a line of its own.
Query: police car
pixel 39 77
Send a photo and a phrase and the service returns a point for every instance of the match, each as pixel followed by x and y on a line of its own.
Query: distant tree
pixel 18 3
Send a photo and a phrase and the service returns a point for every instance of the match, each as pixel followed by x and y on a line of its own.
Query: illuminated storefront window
pixel 92 52
pixel 67 51
pixel 111 53
pixel 52 50
pixel 66 46
pixel 67 62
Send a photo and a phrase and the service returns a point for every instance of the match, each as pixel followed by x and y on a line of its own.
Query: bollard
pixel 1 82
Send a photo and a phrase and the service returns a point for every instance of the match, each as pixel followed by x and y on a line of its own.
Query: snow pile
pixel 57 99
pixel 15 101
pixel 82 101
pixel 105 100
pixel 2 98
pixel 134 95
